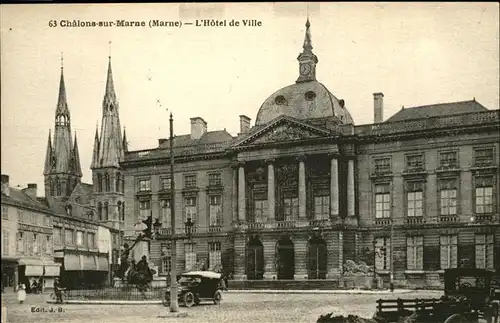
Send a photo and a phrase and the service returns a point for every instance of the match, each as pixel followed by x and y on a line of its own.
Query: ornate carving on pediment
pixel 285 132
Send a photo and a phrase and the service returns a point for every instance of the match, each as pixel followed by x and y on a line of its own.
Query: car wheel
pixel 217 297
pixel 189 299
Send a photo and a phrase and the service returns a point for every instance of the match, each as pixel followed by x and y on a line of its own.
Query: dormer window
pixel 280 100
pixel 310 95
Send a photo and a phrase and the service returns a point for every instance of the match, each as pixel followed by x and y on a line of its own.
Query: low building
pixel 27 244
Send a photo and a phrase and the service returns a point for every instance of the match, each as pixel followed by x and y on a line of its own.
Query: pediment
pixel 284 129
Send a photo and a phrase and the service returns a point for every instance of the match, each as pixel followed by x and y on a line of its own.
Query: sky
pixel 415 53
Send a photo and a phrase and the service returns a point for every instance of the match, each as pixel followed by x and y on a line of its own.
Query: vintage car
pixel 196 286
pixel 469 293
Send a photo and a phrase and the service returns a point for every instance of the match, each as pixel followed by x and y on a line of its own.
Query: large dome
pixel 303 100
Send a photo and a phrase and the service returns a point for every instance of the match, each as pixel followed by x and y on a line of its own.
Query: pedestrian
pixel 58 290
pixel 21 293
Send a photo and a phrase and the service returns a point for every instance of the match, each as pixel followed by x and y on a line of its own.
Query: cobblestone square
pixel 235 307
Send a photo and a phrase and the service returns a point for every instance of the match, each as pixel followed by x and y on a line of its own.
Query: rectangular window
pixel 215 210
pixel 260 211
pixel 165 183
pixel 448 159
pixel 322 207
pixel 20 216
pixel 189 181
pixel 190 208
pixel 166 258
pixel 79 238
pixel 415 253
pixel 36 244
pixel 290 208
pixel 69 236
pixel 5 242
pixel 57 235
pixel 165 216
pixel 214 256
pixel 448 196
pixel 382 201
pixel 5 212
pixel 27 239
pixel 91 240
pixel 20 243
pixel 414 199
pixel 449 251
pixel 484 251
pixel 483 157
pixel 484 195
pixel 144 209
pixel 414 162
pixel 214 179
pixel 190 256
pixel 144 185
pixel 382 165
pixel 382 253
pixel 49 246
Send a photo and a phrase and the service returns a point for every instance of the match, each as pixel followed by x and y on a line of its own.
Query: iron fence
pixel 116 293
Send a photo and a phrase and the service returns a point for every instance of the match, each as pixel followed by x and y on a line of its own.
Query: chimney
pixel 198 127
pixel 5 185
pixel 378 107
pixel 31 191
pixel 244 124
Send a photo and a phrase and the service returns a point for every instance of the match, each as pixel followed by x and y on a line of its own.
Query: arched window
pixel 106 210
pixel 52 189
pixel 106 180
pixel 118 182
pixel 119 204
pixel 99 182
pixel 99 210
pixel 58 187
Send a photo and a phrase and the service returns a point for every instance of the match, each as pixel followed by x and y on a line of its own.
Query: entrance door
pixel 317 255
pixel 255 259
pixel 285 258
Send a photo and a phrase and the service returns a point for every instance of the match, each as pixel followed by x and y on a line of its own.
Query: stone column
pixel 241 194
pixel 270 190
pixel 350 188
pixel 334 188
pixel 234 196
pixel 302 187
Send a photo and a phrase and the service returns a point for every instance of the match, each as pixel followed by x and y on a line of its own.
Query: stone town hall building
pixel 305 190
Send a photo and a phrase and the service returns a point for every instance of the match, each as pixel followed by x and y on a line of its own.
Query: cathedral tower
pixel 62 171
pixel 108 151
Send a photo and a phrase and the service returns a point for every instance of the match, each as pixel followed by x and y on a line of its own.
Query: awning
pixel 52 268
pixel 33 270
pixel 34 267
pixel 102 264
pixel 89 262
pixel 52 271
pixel 72 262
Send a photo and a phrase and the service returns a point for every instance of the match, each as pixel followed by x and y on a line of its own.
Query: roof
pixel 205 274
pixel 436 110
pixel 209 137
pixel 19 198
pixel 291 100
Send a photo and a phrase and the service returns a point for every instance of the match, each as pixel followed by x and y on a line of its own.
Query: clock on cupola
pixel 307 59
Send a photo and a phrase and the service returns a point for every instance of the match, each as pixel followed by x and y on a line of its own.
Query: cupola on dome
pixel 307 98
